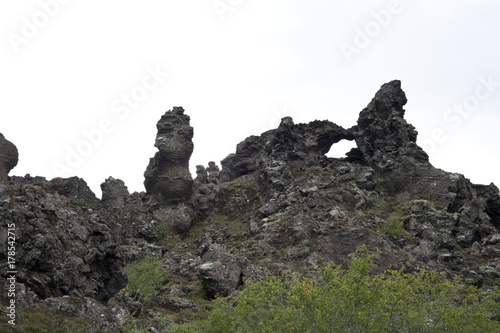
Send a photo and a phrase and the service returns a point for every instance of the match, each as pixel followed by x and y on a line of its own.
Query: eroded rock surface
pixel 167 177
pixel 221 272
pixel 63 246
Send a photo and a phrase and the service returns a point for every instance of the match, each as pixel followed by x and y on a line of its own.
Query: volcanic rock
pixel 8 157
pixel 64 247
pixel 114 193
pixel 201 175
pixel 213 173
pixel 167 177
pixel 382 132
pixel 221 272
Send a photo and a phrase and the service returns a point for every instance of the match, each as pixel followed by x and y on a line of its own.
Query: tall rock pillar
pixel 167 177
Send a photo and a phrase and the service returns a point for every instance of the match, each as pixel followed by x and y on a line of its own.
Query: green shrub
pixel 353 301
pixel 145 276
pixel 394 225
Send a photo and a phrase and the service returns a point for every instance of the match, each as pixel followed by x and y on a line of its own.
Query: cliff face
pixel 277 204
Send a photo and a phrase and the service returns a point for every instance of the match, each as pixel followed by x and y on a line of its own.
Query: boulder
pixel 221 272
pixel 177 217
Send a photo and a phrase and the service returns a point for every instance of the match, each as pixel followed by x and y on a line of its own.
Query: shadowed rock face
pixel 8 157
pixel 167 177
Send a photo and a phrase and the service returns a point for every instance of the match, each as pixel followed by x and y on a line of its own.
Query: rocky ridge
pixel 277 204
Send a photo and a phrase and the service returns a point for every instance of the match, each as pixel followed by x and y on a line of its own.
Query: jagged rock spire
pixel 167 177
pixel 382 133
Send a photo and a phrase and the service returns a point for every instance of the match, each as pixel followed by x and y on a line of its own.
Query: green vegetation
pixel 380 207
pixel 353 301
pixel 44 319
pixel 394 225
pixel 394 214
pixel 145 276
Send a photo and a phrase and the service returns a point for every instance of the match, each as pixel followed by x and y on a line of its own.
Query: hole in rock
pixel 339 149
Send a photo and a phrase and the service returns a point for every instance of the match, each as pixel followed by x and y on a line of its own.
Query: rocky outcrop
pixel 77 190
pixel 114 193
pixel 301 144
pixel 382 133
pixel 63 246
pixel 8 157
pixel 209 175
pixel 201 175
pixel 177 217
pixel 167 177
pixel 277 205
pixel 213 173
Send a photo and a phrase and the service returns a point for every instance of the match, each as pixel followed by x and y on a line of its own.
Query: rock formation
pixel 8 157
pixel 167 177
pixel 303 144
pixel 213 173
pixel 382 133
pixel 114 193
pixel 201 175
pixel 64 247
pixel 277 205
pixel 221 272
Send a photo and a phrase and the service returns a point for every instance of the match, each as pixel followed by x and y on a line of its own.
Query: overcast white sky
pixel 90 77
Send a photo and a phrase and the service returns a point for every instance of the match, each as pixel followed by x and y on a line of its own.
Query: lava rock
pixel 221 272
pixel 8 157
pixel 77 190
pixel 64 247
pixel 114 193
pixel 167 177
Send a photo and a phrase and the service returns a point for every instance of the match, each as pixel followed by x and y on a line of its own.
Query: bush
pixel 145 276
pixel 353 301
pixel 394 226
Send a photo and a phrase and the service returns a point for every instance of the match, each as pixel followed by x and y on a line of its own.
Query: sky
pixel 83 83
